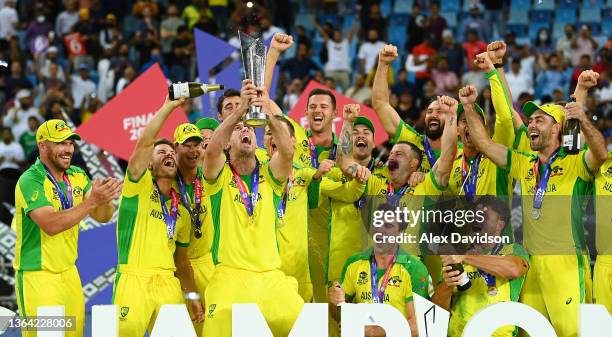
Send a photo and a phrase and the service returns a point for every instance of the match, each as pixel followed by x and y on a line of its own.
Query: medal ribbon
pixel 283 203
pixel 540 185
pixel 392 197
pixel 65 199
pixel 490 279
pixel 250 201
pixel 431 157
pixel 361 202
pixel 469 186
pixel 314 156
pixel 378 295
pixel 169 217
pixel 197 193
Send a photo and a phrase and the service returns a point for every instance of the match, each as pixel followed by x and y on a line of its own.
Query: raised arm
pixel 281 162
pixel 496 152
pixel 344 158
pixel 444 165
pixel 596 153
pixel 387 115
pixel 280 42
pixel 144 147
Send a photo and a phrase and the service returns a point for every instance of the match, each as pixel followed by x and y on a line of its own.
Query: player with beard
pixel 153 233
pixel 244 195
pixel 497 271
pixel 51 199
pixel 189 182
pixel 313 146
pixel 553 186
pixel 392 282
pixel 293 214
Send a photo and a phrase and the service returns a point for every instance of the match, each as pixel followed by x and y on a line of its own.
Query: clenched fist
pixel 281 42
pixel 387 54
pixel 468 94
pixel 497 50
pixel 483 62
pixel 448 105
pixel 588 79
pixel 350 112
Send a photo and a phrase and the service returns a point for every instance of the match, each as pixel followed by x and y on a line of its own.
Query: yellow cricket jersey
pixel 603 209
pixel 521 140
pixel 504 127
pixel 237 242
pixel 559 228
pixel 357 281
pixel 34 249
pixel 467 303
pixel 142 236
pixel 301 155
pixel 491 180
pixel 293 235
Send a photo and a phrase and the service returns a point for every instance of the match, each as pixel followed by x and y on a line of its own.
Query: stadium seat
pixel 451 18
pixel 601 39
pixel 519 4
pixel 565 15
pixel 558 30
pixel 607 14
pixel 130 25
pixel 517 29
pixel 386 8
pixel 399 19
pixel 544 5
pixel 590 15
pixel 403 7
pixel 592 4
pixel 595 27
pixel 335 20
pixel 397 36
pixel 542 15
pixel 535 27
pixel 568 3
pixel 606 27
pixel 450 6
pixel 518 16
pixel 304 20
pixel 467 4
pixel 348 22
pixel 609 4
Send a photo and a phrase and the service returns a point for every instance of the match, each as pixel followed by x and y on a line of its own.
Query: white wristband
pixel 192 296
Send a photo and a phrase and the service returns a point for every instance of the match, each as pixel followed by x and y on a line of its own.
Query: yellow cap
pixel 553 110
pixel 55 130
pixel 185 131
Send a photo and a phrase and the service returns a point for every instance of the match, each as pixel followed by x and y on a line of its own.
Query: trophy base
pixel 256 120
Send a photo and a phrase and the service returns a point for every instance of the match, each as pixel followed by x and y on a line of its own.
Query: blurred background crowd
pixel 75 55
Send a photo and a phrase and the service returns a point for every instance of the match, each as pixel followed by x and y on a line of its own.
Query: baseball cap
pixel 478 109
pixel 185 131
pixel 553 110
pixel 360 120
pixel 207 123
pixel 56 131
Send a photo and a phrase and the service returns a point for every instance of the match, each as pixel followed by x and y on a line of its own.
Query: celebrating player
pixel 51 199
pixel 555 284
pixel 602 274
pixel 244 193
pixel 153 233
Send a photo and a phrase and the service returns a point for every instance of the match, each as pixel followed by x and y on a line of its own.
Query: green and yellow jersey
pixel 603 210
pixel 293 234
pixel 344 231
pixel 491 180
pixel 357 281
pixel 521 140
pixel 35 249
pixel 142 236
pixel 467 303
pixel 239 241
pixel 504 127
pixel 558 228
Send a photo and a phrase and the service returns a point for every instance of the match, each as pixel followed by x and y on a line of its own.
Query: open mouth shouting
pixel 169 162
pixel 434 124
pixel 361 144
pixel 534 136
pixel 246 140
pixel 318 121
pixel 393 165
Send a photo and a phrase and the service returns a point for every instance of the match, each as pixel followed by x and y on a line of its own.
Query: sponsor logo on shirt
pixel 395 281
pixel 363 278
pixel 211 310
pixel 123 313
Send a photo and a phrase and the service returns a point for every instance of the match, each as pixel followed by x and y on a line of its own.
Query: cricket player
pixel 552 183
pixel 153 233
pixel 52 197
pixel 244 195
pixel 602 275
pixel 497 271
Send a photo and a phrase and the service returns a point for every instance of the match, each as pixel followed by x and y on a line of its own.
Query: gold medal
pixel 492 291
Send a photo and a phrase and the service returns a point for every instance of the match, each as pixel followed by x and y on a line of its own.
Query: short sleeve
pixel 429 186
pixel 132 187
pixel 517 163
pixel 347 281
pixel 515 250
pixel 183 227
pixel 213 186
pixel 33 191
pixel 582 168
pixel 405 133
pixel 420 279
pixel 407 288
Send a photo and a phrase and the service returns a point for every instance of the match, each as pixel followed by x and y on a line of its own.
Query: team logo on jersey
pixel 34 196
pixel 557 171
pixel 124 311
pixel 530 174
pixel 299 181
pixel 154 196
pixel 395 281
pixel 568 301
pixel 363 278
pixel 608 173
pixel 78 191
pixel 211 310
pixel 55 194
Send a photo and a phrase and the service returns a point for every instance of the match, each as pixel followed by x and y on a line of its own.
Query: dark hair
pixel 389 207
pixel 6 128
pixel 288 123
pixel 227 93
pixel 499 205
pixel 319 91
pixel 418 152
pixel 163 141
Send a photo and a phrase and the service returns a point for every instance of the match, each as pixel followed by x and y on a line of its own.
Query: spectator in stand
pixel 475 23
pixel 565 43
pixel 220 11
pixel 110 34
pixel 360 91
pixel 125 80
pixel 268 29
pixel 446 81
pixel 375 21
pixel 301 66
pixel 558 95
pixel 144 45
pixel 301 36
pixel 17 117
pixel 494 15
pixel 528 61
pixel 416 27
pixel 475 77
pixel 11 160
pixel 338 65
pixel 513 49
pixel 406 109
pixel 141 5
pixel 452 52
pixel 293 95
pixel 182 47
pixel 551 77
pixel 8 20
pixel 82 86
pixel 147 22
pixel 518 80
pixel 330 83
pixel 401 84
pixel 106 76
pixel 436 24
pixel 206 23
pixel 89 31
pixel 369 51
pixel 27 140
pixel 585 64
pixel 17 80
pixel 67 19
pixel 584 44
pixel 191 13
pixel 46 59
pixel 420 61
pixel 543 42
pixel 54 79
pixel 169 28
pixel 484 100
pixel 473 46
pixel 38 29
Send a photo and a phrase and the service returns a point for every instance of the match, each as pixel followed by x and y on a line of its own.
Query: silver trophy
pixel 254 63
